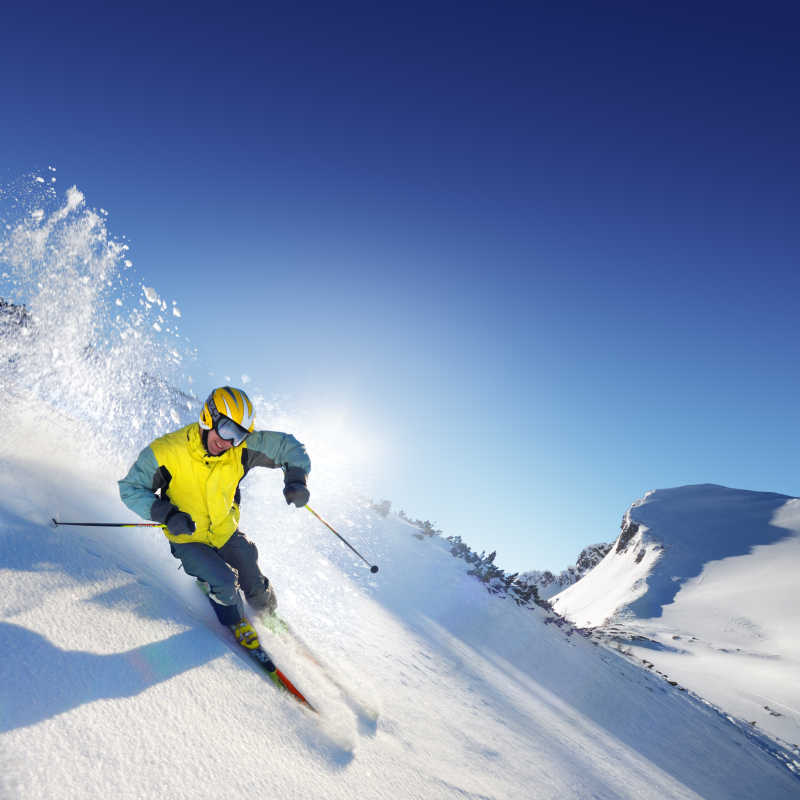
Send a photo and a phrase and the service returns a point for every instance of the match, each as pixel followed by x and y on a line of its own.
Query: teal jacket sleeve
pixel 273 449
pixel 137 488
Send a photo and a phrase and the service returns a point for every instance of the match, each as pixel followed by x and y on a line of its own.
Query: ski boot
pixel 263 601
pixel 245 634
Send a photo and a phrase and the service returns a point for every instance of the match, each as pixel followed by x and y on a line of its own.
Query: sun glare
pixel 336 441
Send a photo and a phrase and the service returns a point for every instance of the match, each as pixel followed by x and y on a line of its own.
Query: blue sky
pixel 538 261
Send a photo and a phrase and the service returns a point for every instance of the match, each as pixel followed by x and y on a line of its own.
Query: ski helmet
pixel 226 403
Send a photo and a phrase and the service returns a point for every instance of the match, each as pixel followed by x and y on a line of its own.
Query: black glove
pixel 295 490
pixel 296 493
pixel 178 522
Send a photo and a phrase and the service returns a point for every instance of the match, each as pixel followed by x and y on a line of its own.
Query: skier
pixel 188 480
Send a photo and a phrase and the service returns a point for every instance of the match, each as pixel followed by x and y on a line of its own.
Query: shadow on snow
pixel 44 681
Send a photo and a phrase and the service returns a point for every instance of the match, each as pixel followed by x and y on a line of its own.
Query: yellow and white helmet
pixel 226 403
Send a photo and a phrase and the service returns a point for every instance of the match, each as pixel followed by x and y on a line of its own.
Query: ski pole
pixel 55 523
pixel 372 567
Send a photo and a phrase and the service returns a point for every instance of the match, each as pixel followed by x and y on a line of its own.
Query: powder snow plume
pixel 96 343
pixel 103 346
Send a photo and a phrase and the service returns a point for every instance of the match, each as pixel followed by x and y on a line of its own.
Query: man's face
pixel 216 444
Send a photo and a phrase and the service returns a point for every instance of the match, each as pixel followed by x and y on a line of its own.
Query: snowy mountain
pixel 117 681
pixel 549 584
pixel 701 585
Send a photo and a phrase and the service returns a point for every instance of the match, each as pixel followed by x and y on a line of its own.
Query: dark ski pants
pixel 233 565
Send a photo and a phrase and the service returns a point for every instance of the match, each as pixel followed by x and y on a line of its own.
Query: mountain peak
pixel 701 583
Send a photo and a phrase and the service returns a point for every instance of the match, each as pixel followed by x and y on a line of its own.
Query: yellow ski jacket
pixel 206 487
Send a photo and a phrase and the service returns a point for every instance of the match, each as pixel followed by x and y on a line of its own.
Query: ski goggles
pixel 227 429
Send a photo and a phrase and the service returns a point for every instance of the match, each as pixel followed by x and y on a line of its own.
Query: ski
pixel 280 627
pixel 262 659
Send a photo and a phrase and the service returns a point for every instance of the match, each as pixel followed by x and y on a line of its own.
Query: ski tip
pixel 288 686
pixel 53 522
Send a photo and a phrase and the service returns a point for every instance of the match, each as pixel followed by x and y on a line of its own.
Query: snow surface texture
pixel 702 584
pixel 117 681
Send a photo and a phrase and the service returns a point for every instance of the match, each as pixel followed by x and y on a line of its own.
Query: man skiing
pixel 188 480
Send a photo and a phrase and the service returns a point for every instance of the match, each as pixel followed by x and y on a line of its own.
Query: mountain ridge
pixel 700 585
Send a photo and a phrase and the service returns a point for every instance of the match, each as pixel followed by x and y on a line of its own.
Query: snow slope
pixel 702 583
pixel 117 681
